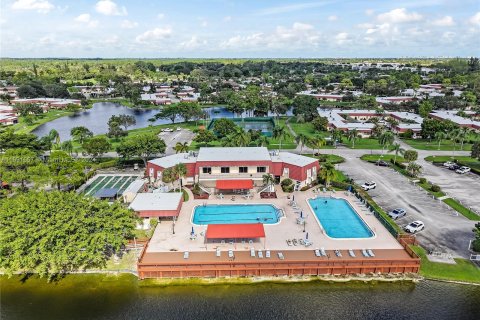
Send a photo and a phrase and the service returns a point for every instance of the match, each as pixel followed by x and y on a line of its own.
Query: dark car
pixel 454 167
pixel 382 163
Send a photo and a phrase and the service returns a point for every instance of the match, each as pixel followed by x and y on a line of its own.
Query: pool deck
pixel 276 235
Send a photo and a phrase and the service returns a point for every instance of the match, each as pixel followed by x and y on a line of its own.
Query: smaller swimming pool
pixel 339 219
pixel 236 213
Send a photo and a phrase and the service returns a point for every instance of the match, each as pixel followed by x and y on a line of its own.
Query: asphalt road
pixel 445 230
pixel 171 139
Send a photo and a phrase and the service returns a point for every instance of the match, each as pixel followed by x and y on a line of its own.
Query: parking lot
pixel 463 187
pixel 171 138
pixel 445 230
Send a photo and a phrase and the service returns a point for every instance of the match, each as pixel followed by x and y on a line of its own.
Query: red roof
pixel 235 231
pixel 234 184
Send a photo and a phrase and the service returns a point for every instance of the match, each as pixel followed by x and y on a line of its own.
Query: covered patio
pixel 233 186
pixel 234 233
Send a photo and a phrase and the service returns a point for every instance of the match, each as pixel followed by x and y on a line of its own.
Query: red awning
pixel 234 184
pixel 235 231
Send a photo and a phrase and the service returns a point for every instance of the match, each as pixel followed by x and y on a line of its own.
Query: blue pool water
pixel 338 219
pixel 236 213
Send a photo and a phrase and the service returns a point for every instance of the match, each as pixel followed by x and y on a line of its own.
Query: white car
pixel 448 164
pixel 369 185
pixel 179 129
pixel 168 130
pixel 415 226
pixel 462 170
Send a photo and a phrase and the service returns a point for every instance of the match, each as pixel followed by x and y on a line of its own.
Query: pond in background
pixel 96 118
pixel 122 297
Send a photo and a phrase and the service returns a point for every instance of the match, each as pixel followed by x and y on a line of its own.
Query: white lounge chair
pixel 370 253
pixel 267 254
pixel 338 253
pixel 219 253
pixel 260 254
pixel 252 252
pixel 365 253
pixel 351 253
pixel 280 256
pixel 230 253
pixel 186 254
pixel 317 253
pixel 322 251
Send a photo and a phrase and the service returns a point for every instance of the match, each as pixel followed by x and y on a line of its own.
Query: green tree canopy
pixel 305 105
pixel 96 146
pixel 81 133
pixel 223 127
pixel 52 233
pixel 144 146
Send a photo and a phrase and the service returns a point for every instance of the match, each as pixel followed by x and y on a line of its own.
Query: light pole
pixel 173 225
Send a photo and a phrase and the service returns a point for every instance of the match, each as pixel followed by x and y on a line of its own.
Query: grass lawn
pixel 464 270
pixel 127 262
pixel 461 209
pixel 185 195
pixel 363 143
pixel 385 157
pixel 424 144
pixel 22 127
pixel 332 158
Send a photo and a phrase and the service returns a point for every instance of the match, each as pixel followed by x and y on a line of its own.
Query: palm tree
pixel 67 146
pixel 181 147
pixel 352 136
pixel 241 137
pixel 262 141
pixel 386 139
pixel 54 136
pixel 462 135
pixel 179 171
pixel 300 118
pixel 280 133
pixel 414 169
pixel 328 173
pixel 301 139
pixel 439 136
pixel 317 142
pixel 268 179
pixel 454 135
pixel 398 150
pixel 336 135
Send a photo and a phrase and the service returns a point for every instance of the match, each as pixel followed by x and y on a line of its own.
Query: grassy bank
pixel 464 270
pixel 467 213
pixel 22 127
pixel 447 145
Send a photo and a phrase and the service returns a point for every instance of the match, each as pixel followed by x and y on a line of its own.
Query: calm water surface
pixel 96 118
pixel 110 297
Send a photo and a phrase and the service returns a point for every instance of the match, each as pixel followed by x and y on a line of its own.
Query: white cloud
pixel 475 19
pixel 42 6
pixel 192 43
pixel 369 12
pixel 300 35
pixel 47 40
pixel 332 18
pixel 127 24
pixel 154 34
pixel 160 16
pixel 110 8
pixel 227 19
pixel 342 38
pixel 291 8
pixel 365 25
pixel 112 40
pixel 86 19
pixel 399 16
pixel 446 21
pixel 203 22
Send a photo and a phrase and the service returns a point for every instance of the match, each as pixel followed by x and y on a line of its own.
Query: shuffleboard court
pixel 120 182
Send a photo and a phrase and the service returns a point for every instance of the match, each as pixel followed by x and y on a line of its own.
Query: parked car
pixel 463 170
pixel 369 185
pixel 382 163
pixel 397 213
pixel 168 130
pixel 448 164
pixel 415 226
pixel 454 167
pixel 179 129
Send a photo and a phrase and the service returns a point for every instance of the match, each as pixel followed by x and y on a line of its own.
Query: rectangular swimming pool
pixel 235 213
pixel 339 219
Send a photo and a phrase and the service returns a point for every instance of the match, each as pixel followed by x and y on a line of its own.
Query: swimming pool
pixel 236 213
pixel 339 219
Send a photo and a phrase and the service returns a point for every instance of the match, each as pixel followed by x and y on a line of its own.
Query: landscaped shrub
pixel 423 180
pixel 322 158
pixel 435 188
pixel 340 185
pixel 286 182
pixel 196 189
pixel 287 188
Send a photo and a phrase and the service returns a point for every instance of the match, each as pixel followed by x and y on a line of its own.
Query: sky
pixel 239 28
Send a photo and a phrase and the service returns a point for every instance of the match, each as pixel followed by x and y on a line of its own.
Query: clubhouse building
pixel 242 168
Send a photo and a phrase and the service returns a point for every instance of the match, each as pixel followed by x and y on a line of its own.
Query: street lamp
pixel 173 225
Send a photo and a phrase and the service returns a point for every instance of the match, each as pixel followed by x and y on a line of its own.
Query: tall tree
pixel 64 170
pixel 80 134
pixel 18 166
pixel 51 233
pixel 181 147
pixel 281 133
pixel 328 173
pixel 144 146
pixel 96 146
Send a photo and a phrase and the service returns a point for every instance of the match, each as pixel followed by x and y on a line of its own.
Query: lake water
pixel 96 118
pixel 112 297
